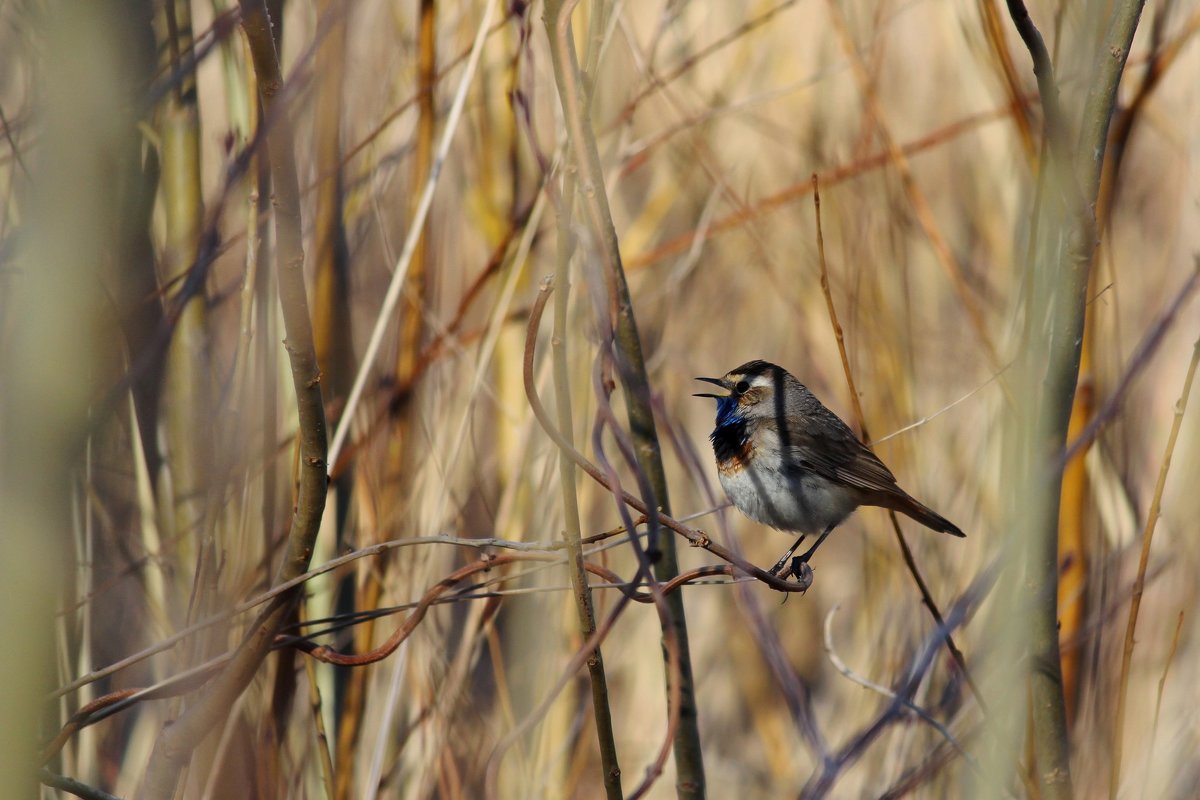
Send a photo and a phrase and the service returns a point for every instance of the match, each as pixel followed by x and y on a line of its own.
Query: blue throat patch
pixel 729 437
pixel 727 412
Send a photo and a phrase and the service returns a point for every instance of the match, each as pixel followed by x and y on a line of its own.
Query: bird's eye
pixel 741 387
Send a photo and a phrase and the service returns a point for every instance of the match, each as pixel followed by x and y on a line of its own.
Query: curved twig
pixel 866 683
pixel 823 780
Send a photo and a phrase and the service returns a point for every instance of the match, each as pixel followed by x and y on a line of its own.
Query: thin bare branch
pixel 860 418
pixel 845 670
pixel 1139 585
pixel 1137 363
pixel 822 781
pixel 696 538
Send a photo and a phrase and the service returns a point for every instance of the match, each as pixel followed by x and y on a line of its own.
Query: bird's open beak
pixel 716 382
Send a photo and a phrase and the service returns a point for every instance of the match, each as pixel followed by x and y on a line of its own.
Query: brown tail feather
pixel 922 513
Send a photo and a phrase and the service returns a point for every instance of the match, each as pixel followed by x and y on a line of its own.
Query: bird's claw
pixel 802 571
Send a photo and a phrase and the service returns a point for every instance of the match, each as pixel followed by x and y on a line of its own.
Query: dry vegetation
pixel 157 476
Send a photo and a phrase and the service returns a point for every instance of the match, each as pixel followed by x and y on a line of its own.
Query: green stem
pixel 1051 363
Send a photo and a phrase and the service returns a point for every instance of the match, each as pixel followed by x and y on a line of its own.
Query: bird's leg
pixel 784 558
pixel 800 563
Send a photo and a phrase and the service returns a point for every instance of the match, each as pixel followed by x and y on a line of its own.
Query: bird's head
pixel 751 391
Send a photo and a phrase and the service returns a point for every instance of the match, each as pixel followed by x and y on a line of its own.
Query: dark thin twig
pixel 1043 70
pixel 72 786
pixel 823 780
pixel 184 65
pixel 860 418
pixel 842 667
pixel 8 134
pixel 1057 128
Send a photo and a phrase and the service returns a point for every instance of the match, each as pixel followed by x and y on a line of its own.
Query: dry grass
pixel 709 178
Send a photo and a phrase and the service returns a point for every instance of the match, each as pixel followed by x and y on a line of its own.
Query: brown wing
pixel 835 453
pixel 839 456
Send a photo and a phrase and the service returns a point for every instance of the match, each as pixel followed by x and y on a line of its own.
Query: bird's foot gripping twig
pixel 801 570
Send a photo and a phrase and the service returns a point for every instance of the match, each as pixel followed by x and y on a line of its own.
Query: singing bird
pixel 787 461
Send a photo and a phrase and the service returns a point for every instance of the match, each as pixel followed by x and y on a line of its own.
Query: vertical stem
pixel 184 404
pixel 689 760
pixel 332 329
pixel 566 477
pixel 293 295
pixel 1052 359
pixel 176 743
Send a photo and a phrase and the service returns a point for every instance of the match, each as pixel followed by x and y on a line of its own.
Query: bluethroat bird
pixel 787 461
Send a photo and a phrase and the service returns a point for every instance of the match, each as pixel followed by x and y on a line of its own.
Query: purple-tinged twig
pixel 866 683
pixel 823 780
pixel 1137 362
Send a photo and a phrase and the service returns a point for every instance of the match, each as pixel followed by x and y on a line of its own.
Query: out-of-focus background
pixel 128 159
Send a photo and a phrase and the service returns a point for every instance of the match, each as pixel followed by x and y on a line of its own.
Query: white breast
pixel 793 501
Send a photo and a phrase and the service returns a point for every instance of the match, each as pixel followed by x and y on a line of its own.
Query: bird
pixel 788 462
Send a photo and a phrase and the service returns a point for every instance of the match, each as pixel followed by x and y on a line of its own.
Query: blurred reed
pixel 152 427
